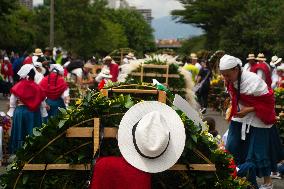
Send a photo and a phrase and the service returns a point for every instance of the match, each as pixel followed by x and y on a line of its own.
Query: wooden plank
pixel 96 134
pixel 194 167
pixel 110 132
pixel 42 167
pixel 140 91
pixel 34 167
pixel 79 132
pixel 155 66
pixel 155 75
pixel 162 97
pixel 77 167
pixel 85 167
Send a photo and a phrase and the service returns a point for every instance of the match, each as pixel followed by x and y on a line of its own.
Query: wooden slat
pixel 155 75
pixel 34 167
pixel 141 91
pixel 80 132
pixel 194 167
pixel 155 66
pixel 162 97
pixel 83 167
pixel 96 134
pixel 42 167
pixel 110 132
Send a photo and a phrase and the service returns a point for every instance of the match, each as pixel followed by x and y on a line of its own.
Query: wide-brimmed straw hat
pixel 130 55
pixel 193 56
pixel 251 57
pixel 89 65
pixel 151 136
pixel 107 58
pixel 38 52
pixel 275 60
pixel 261 56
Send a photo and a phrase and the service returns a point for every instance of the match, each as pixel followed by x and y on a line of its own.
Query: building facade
pixel 118 4
pixel 147 14
pixel 27 3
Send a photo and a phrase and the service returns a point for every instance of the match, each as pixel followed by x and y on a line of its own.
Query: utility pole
pixel 51 33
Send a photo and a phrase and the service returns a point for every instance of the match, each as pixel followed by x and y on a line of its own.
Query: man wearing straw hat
pixel 251 61
pixel 112 67
pixel 275 63
pixel 262 69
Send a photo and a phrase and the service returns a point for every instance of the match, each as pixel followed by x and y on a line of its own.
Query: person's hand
pixel 47 107
pixel 244 111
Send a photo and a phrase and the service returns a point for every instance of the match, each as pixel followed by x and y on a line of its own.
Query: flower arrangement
pixel 49 145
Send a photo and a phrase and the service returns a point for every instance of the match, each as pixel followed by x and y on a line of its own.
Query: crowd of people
pixel 201 73
pixel 37 86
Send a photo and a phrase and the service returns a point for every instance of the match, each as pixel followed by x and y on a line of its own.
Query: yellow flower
pixel 78 101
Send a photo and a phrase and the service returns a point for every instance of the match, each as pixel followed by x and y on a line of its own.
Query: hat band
pixel 139 151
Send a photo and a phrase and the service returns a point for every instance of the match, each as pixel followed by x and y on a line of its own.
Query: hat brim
pixel 176 144
pixel 276 62
pixel 37 54
pixel 264 59
pixel 250 58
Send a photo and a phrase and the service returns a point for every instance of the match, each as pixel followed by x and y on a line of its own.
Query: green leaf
pixel 80 157
pixel 25 179
pixel 61 123
pixel 63 111
pixel 194 138
pixel 36 132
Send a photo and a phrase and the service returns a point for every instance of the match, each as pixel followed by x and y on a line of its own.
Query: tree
pixel 16 31
pixel 7 7
pixel 209 15
pixel 138 32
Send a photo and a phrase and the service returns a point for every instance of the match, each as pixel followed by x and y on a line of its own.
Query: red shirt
pixel 113 70
pixel 7 69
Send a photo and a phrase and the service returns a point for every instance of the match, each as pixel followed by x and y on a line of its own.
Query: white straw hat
pixel 151 136
pixel 275 60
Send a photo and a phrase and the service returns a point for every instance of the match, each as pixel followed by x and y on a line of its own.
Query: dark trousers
pixel 202 96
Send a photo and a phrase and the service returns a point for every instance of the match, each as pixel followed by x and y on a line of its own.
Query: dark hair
pixel 212 126
pixel 31 74
pixel 210 122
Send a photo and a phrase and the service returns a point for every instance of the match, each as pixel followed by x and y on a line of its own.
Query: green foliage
pixel 238 27
pixel 15 35
pixel 138 32
pixel 49 145
pixel 193 45
pixel 81 27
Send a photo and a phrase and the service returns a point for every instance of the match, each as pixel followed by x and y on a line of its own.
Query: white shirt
pixel 259 72
pixel 253 85
pixel 38 77
pixel 198 66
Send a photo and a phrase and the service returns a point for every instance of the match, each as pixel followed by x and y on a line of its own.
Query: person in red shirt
pixel 7 73
pixel 7 70
pixel 113 68
pixel 280 73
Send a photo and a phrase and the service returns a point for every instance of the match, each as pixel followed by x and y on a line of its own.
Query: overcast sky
pixel 160 8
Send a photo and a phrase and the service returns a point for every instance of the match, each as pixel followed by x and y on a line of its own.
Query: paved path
pixel 221 126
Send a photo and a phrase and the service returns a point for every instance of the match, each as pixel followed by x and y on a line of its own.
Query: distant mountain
pixel 166 28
